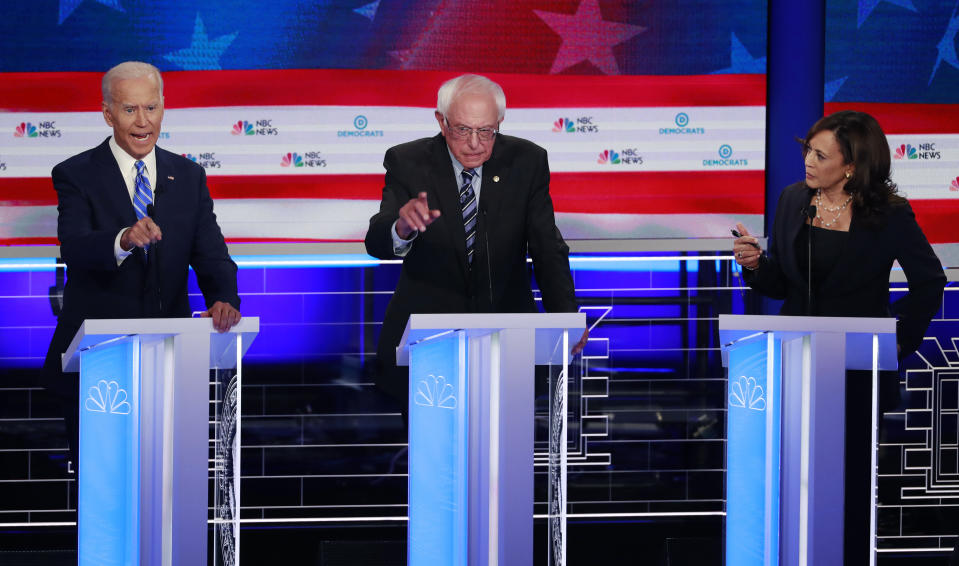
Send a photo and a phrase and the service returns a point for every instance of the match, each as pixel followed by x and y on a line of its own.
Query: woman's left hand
pixel 746 248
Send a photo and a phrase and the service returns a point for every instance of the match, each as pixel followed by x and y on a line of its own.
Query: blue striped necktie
pixel 468 204
pixel 142 195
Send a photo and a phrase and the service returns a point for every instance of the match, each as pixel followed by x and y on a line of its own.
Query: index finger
pixel 742 229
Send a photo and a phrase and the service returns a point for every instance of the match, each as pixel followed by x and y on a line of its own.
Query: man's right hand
pixel 144 232
pixel 415 216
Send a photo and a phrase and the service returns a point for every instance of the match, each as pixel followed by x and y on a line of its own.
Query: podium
pixel 786 432
pixel 471 429
pixel 145 423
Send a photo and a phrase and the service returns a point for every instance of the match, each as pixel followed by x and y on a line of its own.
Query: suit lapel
pixel 447 195
pixel 794 222
pixel 111 182
pixel 166 179
pixel 495 176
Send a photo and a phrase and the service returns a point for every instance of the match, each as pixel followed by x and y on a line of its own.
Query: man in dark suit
pixel 113 201
pixel 462 209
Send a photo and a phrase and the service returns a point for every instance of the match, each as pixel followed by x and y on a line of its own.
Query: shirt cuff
pixel 402 247
pixel 118 252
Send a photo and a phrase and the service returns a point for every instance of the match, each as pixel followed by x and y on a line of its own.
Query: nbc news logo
pixel 46 129
pixel 263 127
pixel 922 151
pixel 582 125
pixel 308 159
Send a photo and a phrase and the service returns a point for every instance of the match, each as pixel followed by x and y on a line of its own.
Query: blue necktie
pixel 142 194
pixel 468 204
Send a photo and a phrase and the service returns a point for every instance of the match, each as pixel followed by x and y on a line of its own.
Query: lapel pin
pixel 169 177
pixel 496 178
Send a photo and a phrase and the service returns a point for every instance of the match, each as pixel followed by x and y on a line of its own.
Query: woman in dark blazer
pixel 847 220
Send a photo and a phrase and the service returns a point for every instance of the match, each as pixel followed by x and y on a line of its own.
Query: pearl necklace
pixel 838 210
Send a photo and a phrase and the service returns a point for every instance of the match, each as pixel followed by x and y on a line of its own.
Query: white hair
pixel 470 84
pixel 128 70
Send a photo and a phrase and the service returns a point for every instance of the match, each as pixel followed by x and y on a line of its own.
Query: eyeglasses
pixel 462 132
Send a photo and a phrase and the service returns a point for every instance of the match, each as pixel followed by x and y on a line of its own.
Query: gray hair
pixel 128 70
pixel 470 84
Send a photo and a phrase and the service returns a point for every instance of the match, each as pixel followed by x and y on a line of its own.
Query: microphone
pixel 810 213
pixel 489 268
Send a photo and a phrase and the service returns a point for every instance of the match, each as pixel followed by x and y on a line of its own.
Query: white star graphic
pixel 947 47
pixel 740 61
pixel 369 10
pixel 68 6
pixel 587 37
pixel 203 53
pixel 867 6
pixel 832 87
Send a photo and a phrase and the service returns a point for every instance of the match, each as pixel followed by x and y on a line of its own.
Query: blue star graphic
pixel 740 61
pixel 867 6
pixel 203 54
pixel 832 87
pixel 369 10
pixel 947 47
pixel 68 6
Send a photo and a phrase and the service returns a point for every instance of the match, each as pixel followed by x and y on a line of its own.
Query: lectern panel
pixel 109 490
pixel 438 464
pixel 752 492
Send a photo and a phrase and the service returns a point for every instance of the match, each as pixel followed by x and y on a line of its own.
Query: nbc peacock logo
pixel 107 397
pixel 608 156
pixel 292 160
pixel 564 125
pixel 242 128
pixel 25 130
pixel 434 391
pixel 190 156
pixel 954 186
pixel 746 393
pixel 906 151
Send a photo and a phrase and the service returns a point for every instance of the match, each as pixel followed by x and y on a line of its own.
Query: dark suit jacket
pixel 516 217
pixel 859 284
pixel 94 205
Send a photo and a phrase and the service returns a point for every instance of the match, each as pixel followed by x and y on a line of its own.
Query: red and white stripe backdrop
pixel 924 141
pixel 297 155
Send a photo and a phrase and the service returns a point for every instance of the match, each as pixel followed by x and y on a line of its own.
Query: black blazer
pixel 94 205
pixel 859 284
pixel 516 217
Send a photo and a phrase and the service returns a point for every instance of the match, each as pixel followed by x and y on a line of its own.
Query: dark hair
pixel 863 144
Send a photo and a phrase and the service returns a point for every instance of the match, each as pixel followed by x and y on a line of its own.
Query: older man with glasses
pixel 462 209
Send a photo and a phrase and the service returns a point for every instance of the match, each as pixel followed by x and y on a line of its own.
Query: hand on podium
pixel 578 347
pixel 223 314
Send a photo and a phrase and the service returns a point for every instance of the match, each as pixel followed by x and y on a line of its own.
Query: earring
pixel 848 175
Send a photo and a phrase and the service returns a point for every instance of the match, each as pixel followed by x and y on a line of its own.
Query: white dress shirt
pixel 128 170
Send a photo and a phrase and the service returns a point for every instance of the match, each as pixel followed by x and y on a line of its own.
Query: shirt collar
pixel 128 163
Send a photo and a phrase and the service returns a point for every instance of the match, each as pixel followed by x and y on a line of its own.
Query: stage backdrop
pixel 897 61
pixel 653 113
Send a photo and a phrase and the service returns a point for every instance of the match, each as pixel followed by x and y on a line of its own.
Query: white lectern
pixel 471 434
pixel 786 432
pixel 145 423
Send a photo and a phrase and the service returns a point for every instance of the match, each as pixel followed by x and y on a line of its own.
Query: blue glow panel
pixel 752 456
pixel 438 453
pixel 109 490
